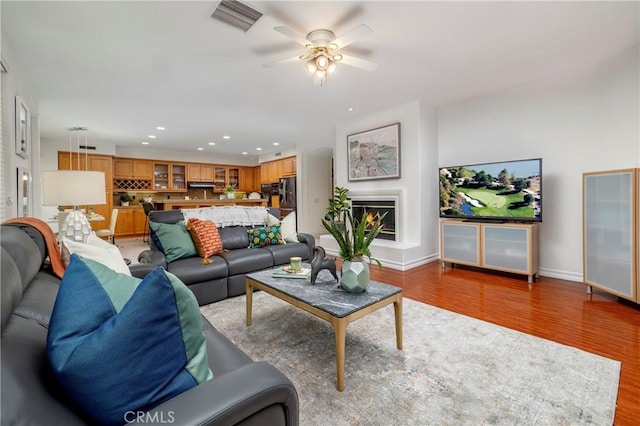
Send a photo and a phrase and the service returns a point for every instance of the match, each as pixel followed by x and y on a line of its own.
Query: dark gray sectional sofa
pixel 242 392
pixel 225 277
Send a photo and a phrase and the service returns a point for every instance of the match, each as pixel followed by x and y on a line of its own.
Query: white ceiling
pixel 123 68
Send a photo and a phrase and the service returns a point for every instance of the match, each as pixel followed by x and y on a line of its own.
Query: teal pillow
pixel 175 240
pixel 265 236
pixel 118 344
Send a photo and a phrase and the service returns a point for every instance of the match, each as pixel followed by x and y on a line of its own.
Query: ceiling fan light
pixel 311 66
pixel 321 74
pixel 322 62
pixel 332 67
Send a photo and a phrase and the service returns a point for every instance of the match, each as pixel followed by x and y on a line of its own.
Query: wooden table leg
pixel 397 307
pixel 340 329
pixel 249 292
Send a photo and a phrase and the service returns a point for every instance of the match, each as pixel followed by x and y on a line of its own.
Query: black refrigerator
pixel 287 188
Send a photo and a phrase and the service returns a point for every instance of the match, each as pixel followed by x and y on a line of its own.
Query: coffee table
pixel 328 302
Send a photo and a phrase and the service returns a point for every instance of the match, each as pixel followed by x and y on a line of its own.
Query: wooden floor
pixel 553 309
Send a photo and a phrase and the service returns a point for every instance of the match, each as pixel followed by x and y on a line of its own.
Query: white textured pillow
pixel 96 249
pixel 288 228
pixel 272 220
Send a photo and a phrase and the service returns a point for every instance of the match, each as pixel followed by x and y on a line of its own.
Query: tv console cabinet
pixel 509 247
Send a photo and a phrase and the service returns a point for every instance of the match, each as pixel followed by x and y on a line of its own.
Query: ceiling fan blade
pixel 352 35
pixel 282 61
pixel 288 32
pixel 358 63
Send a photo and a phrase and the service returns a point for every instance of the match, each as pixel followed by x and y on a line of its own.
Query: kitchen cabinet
pixel 125 225
pixel 142 169
pixel 611 232
pixel 139 221
pixel 225 175
pixel 199 172
pixel 170 176
pixel 122 168
pixel 271 171
pixel 288 166
pixel 131 222
pixel 131 168
pixel 509 247
pixel 248 182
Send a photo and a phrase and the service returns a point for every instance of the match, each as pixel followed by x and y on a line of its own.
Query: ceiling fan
pixel 323 50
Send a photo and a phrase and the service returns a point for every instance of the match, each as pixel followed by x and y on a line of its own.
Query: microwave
pixel 270 188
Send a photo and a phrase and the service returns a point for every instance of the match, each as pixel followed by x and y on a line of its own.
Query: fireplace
pixel 360 207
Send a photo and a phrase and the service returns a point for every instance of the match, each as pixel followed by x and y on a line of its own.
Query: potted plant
pixel 339 205
pixel 230 191
pixel 125 199
pixel 354 236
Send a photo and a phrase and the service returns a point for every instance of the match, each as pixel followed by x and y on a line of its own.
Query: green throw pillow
pixel 265 236
pixel 118 344
pixel 175 240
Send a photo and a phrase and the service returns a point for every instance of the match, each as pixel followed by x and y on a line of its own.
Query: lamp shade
pixel 73 188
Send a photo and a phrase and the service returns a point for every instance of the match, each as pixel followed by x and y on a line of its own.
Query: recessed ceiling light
pixel 160 128
pixel 258 149
pixel 350 109
pixel 200 148
pixel 276 143
pixel 145 143
pixel 152 136
pixel 244 153
pixel 212 143
pixel 226 137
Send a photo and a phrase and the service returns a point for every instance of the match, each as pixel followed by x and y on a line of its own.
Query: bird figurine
pixel 320 262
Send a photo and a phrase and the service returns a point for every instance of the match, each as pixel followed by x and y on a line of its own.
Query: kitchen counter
pixel 176 203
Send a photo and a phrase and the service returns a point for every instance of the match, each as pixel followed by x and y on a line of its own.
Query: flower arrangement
pixel 230 188
pixel 352 235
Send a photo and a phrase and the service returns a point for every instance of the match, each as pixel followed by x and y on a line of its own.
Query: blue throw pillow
pixel 117 343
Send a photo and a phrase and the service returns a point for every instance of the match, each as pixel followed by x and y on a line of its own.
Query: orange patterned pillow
pixel 206 238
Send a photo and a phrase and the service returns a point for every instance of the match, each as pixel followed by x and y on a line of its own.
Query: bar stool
pixel 148 207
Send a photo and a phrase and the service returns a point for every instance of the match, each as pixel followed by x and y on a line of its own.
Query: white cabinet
pixel 460 243
pixel 510 247
pixel 611 232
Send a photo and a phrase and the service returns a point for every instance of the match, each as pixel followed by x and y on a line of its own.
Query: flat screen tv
pixel 500 191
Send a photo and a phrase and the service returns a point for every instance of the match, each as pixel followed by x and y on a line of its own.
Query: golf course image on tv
pixel 507 190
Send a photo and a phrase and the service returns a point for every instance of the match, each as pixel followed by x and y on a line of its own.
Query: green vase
pixel 354 276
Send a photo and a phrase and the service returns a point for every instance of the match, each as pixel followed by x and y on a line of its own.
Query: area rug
pixel 453 370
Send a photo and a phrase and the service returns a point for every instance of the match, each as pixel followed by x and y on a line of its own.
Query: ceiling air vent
pixel 236 14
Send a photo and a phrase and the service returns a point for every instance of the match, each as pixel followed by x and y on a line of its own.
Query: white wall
pixel 314 187
pixel 15 83
pixel 417 231
pixel 588 120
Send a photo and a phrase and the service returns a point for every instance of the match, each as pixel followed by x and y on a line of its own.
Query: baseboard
pixel 393 264
pixel 561 275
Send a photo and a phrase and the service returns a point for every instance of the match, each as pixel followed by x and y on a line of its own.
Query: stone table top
pixel 326 294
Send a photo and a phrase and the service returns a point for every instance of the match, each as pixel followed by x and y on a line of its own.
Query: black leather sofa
pixel 225 277
pixel 242 391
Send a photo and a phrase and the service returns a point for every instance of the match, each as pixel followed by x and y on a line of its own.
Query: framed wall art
pixel 374 154
pixel 23 128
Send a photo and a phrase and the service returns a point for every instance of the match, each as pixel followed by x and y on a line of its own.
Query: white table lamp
pixel 73 188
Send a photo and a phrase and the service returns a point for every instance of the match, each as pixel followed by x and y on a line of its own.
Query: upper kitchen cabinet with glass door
pixel 169 177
